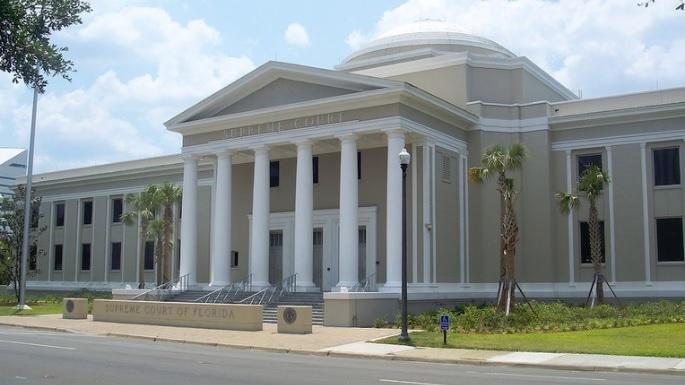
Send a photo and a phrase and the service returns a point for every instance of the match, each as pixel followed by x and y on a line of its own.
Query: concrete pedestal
pixel 75 308
pixel 295 319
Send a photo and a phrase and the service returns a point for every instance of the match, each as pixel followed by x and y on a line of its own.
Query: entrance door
pixel 362 254
pixel 275 256
pixel 318 258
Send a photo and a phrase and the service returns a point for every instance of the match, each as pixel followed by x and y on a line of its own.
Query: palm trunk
pixel 508 238
pixel 159 262
pixel 141 261
pixel 167 244
pixel 596 250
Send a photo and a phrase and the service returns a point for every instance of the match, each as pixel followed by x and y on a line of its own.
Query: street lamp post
pixel 405 157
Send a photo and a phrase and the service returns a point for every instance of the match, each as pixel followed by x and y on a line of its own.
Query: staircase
pixel 270 311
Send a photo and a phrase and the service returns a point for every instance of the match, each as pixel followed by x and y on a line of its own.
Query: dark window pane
pixel 149 255
pixel 585 256
pixel 85 256
pixel 58 257
pixel 666 166
pixel 274 174
pixel 88 212
pixel 115 261
pixel 586 161
pixel 234 259
pixel 117 209
pixel 669 239
pixel 59 213
pixel 315 169
pixel 35 216
pixel 33 256
pixel 359 164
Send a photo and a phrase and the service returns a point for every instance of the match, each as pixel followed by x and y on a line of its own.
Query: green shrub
pixel 379 323
pixel 549 317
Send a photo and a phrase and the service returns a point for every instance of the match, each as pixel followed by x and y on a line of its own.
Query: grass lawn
pixel 664 340
pixel 36 309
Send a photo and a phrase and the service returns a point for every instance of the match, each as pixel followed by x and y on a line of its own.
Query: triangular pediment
pixel 277 84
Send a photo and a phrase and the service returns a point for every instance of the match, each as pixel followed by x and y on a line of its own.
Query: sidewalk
pixel 350 342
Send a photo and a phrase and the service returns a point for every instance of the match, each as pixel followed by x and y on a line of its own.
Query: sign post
pixel 444 326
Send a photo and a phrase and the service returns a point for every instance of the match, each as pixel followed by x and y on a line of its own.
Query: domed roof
pixel 423 36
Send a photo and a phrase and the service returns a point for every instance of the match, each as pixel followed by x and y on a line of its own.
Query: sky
pixel 141 62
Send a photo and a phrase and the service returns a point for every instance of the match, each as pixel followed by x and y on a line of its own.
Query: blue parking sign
pixel 444 322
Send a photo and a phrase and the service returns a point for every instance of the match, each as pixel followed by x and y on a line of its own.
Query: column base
pixel 257 286
pixel 307 287
pixel 219 284
pixel 391 287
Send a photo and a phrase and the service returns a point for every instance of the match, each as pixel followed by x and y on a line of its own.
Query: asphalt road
pixel 37 357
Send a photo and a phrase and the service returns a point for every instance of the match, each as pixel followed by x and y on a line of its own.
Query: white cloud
pixel 296 34
pixel 120 117
pixel 601 46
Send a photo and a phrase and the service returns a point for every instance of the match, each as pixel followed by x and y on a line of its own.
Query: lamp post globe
pixel 405 158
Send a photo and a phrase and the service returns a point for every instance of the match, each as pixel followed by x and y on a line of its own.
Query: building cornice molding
pixel 642 138
pixel 513 126
pixel 617 116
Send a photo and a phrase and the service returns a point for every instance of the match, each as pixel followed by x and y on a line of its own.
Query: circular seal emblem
pixel 70 306
pixel 289 315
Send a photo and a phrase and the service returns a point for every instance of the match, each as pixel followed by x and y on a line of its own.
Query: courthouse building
pixel 294 170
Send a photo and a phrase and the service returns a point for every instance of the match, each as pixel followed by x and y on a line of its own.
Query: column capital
pixel 302 142
pixel 643 145
pixel 260 148
pixel 190 157
pixel 223 153
pixel 395 132
pixel 347 137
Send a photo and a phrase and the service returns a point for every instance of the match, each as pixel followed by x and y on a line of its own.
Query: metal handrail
pixel 221 294
pixel 266 295
pixel 367 284
pixel 162 291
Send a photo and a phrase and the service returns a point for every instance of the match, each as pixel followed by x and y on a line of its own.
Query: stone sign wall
pixel 200 315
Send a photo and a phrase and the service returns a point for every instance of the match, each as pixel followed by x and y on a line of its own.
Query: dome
pixel 425 38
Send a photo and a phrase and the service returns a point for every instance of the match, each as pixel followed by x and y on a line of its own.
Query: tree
pixel 143 207
pixel 162 228
pixel 25 47
pixel 591 183
pixel 498 160
pixel 12 235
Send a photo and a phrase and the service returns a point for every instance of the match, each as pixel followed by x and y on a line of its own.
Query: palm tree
pixel 591 183
pixel 142 208
pixel 162 228
pixel 498 160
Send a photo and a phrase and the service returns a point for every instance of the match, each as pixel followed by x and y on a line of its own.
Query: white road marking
pixel 37 345
pixel 536 376
pixel 407 382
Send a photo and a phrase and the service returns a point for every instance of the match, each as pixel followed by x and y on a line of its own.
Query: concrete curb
pixel 390 356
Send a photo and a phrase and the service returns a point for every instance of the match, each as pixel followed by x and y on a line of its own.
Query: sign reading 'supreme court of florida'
pixel 200 315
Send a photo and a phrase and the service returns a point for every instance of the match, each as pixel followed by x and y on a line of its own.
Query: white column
pixel 304 213
pixel 51 248
pixel 466 215
pixel 645 215
pixel 259 242
pixel 108 230
pixel 571 256
pixel 189 220
pixel 425 152
pixel 462 220
pixel 348 255
pixel 393 223
pixel 612 233
pixel 414 218
pixel 221 242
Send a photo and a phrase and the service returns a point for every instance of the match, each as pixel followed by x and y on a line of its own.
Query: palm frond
pixel 479 174
pixel 567 201
pixel 516 155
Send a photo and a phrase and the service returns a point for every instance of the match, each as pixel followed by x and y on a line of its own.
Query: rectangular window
pixel 234 258
pixel 586 161
pixel 274 173
pixel 35 216
pixel 446 172
pixel 85 257
pixel 115 260
pixel 58 257
pixel 149 255
pixel 669 239
pixel 117 209
pixel 88 212
pixel 59 214
pixel 666 166
pixel 359 164
pixel 585 256
pixel 33 257
pixel 315 169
